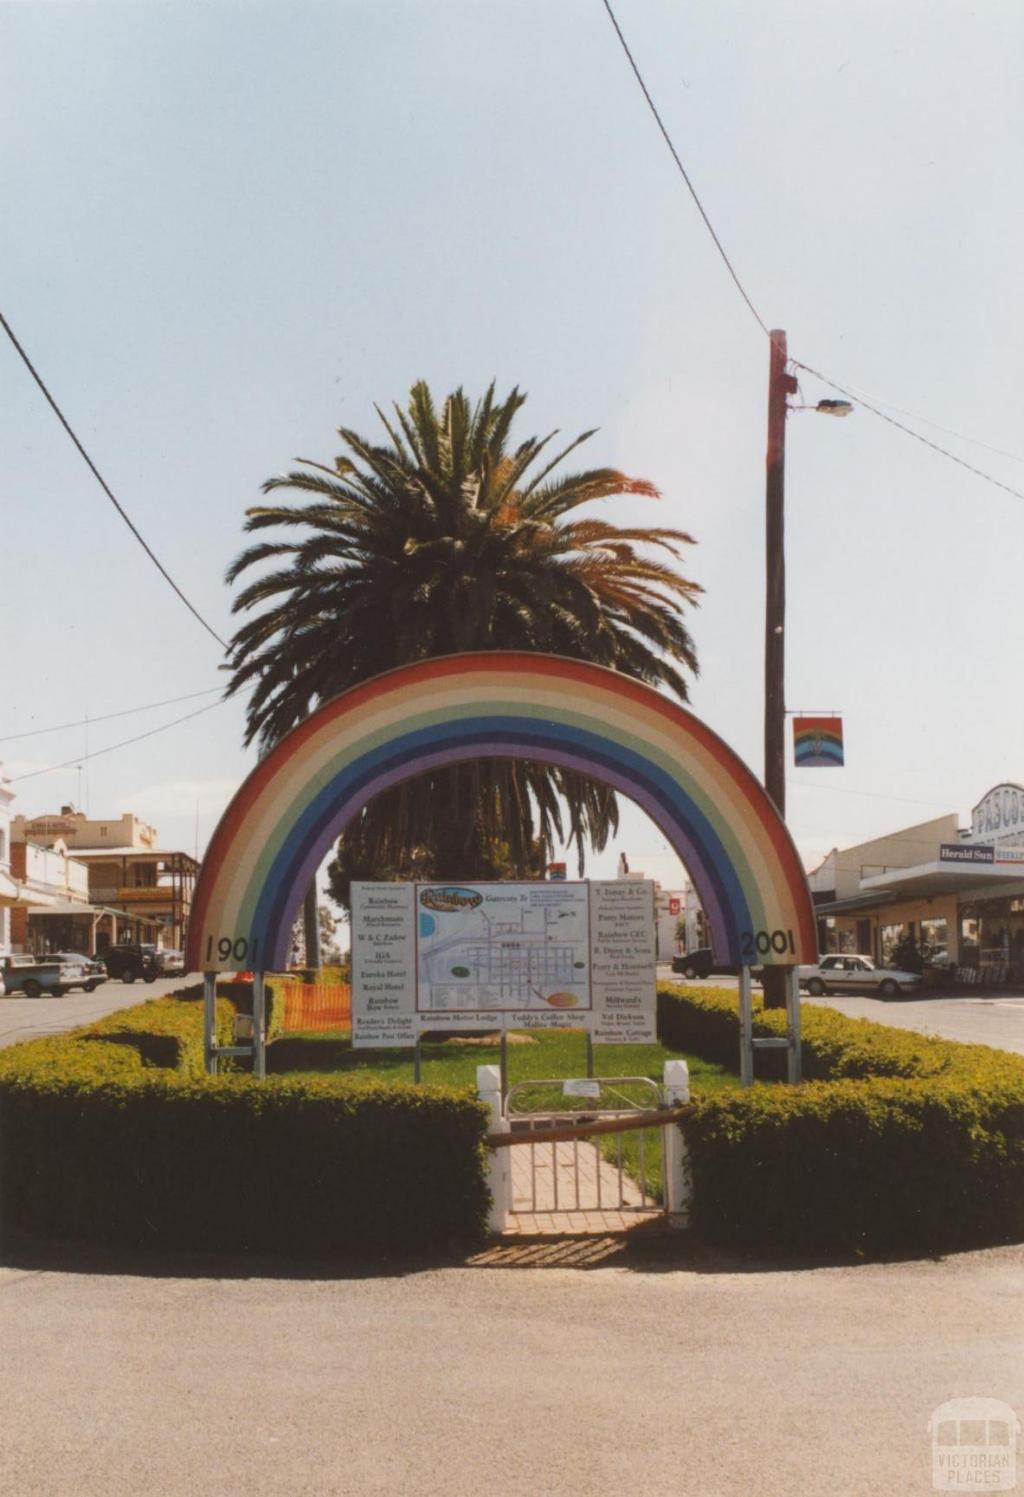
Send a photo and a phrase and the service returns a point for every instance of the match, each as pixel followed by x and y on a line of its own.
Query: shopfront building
pixel 956 895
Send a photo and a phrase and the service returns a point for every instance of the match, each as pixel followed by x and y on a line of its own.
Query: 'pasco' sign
pixel 999 814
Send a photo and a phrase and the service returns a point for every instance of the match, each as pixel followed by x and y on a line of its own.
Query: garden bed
pixel 895 1142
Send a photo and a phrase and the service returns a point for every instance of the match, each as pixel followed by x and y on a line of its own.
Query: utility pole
pixel 780 384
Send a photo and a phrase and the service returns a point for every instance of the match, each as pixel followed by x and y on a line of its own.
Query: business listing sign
pixel 492 956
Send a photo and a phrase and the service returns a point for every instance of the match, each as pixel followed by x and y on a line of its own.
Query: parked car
pixel 48 974
pixel 852 973
pixel 171 962
pixel 126 963
pixel 701 963
pixel 94 972
pixel 697 963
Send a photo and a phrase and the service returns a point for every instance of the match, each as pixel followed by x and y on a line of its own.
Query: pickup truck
pixel 48 975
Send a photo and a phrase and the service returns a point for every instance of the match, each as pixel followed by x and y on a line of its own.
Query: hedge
pixel 103 1141
pixel 897 1142
pixel 239 992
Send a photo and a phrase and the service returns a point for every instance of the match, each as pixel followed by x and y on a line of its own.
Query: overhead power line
pixel 685 175
pixel 850 395
pixel 864 397
pixel 88 722
pixel 98 753
pixel 106 487
pixel 907 800
pixel 901 426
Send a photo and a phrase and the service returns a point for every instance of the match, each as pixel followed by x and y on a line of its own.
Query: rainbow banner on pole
pixel 818 742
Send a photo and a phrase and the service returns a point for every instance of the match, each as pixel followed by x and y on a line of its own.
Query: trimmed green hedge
pixel 98 1143
pixel 897 1142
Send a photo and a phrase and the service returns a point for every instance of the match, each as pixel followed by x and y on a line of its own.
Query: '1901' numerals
pixel 761 942
pixel 241 949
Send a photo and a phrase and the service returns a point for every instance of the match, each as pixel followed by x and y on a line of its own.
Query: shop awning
pixel 855 902
pixel 75 907
pixel 19 896
pixel 976 879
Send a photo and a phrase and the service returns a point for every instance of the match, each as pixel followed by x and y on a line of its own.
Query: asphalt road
pixel 28 1018
pixel 448 1383
pixel 987 1017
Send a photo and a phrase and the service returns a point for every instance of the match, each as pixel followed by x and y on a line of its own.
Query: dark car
pixel 697 963
pixel 700 962
pixel 126 963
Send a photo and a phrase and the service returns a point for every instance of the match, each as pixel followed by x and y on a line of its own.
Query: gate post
pixel 678 1185
pixel 499 1163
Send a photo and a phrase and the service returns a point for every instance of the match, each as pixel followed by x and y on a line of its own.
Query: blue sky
pixel 231 228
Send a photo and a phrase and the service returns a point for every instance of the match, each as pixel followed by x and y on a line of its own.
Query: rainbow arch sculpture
pixel 295 803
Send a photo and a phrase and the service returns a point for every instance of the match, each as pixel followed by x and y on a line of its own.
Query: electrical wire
pixel 863 395
pixel 833 384
pixel 907 800
pixel 685 175
pixel 899 425
pixel 108 716
pixel 105 486
pixel 98 753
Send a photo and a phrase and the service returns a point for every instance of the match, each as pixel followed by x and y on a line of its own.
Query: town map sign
pixel 495 956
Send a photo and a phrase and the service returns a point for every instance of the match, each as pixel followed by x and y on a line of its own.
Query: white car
pixel 856 974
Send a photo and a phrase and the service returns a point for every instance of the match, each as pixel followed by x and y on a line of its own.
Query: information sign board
pixel 493 956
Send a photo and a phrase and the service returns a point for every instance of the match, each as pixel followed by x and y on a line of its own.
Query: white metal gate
pixel 619 1170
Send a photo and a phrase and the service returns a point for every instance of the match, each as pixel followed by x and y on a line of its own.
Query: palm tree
pixel 447 538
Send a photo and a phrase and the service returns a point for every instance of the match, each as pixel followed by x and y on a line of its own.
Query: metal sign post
pixel 256 1049
pixel 259 1025
pixel 746 1029
pixel 794 1067
pixel 790 1041
pixel 210 1022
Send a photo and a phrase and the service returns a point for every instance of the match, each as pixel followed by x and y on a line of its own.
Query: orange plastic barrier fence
pixel 317 1006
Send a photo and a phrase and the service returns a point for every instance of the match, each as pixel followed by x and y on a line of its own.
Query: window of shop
pixel 935 938
pixel 891 937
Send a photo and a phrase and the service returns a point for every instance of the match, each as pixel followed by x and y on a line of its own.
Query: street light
pixel 780 384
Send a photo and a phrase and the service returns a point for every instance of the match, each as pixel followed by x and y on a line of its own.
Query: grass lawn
pixel 552 1054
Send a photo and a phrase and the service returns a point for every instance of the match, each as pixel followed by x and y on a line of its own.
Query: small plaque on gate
pixel 581 1088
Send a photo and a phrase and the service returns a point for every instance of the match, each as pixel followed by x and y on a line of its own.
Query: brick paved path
pixel 569 1188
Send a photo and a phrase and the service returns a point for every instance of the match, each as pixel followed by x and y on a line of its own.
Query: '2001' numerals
pixel 241 949
pixel 761 942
